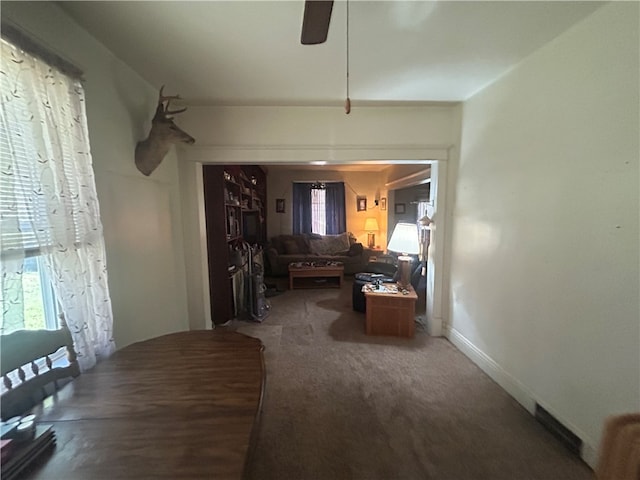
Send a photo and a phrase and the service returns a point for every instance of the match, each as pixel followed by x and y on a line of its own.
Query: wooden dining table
pixel 181 406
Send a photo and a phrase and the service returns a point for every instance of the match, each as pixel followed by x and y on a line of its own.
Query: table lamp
pixel 404 241
pixel 371 226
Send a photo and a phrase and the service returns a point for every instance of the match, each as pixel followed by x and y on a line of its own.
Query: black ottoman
pixel 359 303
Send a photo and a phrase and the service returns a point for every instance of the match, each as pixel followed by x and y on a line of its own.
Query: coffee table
pixel 315 275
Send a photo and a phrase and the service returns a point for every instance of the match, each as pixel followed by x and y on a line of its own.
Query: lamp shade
pixel 405 239
pixel 371 225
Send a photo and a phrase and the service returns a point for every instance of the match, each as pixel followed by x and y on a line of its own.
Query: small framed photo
pixel 400 208
pixel 279 205
pixel 383 204
pixel 362 204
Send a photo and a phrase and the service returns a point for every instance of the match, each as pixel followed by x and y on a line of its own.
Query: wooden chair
pixel 620 449
pixel 30 350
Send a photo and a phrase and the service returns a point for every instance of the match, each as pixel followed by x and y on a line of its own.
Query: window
pixel 318 211
pixel 51 243
pixel 24 227
pixel 318 208
pixel 40 306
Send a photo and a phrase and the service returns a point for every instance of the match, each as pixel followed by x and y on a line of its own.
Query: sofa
pixel 284 249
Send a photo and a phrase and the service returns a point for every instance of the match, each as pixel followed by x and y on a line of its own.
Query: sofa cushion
pixel 319 246
pixel 291 247
pixel 355 250
pixel 329 244
pixel 279 242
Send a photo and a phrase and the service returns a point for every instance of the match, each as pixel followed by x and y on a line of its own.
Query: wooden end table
pixel 391 313
pixel 310 275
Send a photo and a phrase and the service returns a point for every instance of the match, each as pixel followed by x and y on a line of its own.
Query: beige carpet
pixel 343 405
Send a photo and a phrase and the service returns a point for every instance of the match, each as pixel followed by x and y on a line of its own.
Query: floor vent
pixel 562 433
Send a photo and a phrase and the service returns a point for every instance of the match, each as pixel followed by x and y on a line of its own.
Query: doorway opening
pixel 431 172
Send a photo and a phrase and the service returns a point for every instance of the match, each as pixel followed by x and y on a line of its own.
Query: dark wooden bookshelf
pixel 235 200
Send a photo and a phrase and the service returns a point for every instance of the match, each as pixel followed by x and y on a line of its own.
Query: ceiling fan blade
pixel 315 23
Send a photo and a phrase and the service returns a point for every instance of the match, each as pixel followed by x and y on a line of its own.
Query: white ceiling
pixel 249 53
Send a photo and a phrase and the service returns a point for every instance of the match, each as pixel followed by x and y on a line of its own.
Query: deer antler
pixel 173 112
pixel 167 97
pixel 164 111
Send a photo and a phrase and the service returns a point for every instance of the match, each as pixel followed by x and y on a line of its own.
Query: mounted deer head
pixel 163 134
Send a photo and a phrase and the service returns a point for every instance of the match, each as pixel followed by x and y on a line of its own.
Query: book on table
pixel 21 454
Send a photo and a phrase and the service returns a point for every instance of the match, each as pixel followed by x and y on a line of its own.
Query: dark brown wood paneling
pixel 231 205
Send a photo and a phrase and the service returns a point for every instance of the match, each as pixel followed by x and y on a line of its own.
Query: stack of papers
pixel 384 288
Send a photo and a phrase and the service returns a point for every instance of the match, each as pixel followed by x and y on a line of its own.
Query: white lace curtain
pixel 49 206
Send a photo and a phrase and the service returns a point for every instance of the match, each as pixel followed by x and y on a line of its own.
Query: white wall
pixel 544 261
pixel 140 215
pixel 295 134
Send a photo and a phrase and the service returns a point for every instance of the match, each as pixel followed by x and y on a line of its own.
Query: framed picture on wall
pixel 400 208
pixel 362 203
pixel 279 205
pixel 383 204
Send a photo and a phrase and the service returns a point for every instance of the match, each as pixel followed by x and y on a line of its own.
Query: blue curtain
pixel 301 207
pixel 334 201
pixel 336 218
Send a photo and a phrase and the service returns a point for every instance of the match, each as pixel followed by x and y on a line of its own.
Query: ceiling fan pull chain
pixel 347 103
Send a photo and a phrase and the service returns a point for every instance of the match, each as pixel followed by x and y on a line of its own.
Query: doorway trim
pixel 435 254
pixel 435 259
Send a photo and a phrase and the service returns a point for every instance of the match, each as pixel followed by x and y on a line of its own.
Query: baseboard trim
pixel 513 387
pixel 589 454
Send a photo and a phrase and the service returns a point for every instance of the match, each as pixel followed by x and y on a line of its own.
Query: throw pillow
pixel 318 246
pixel 303 243
pixel 338 242
pixel 329 244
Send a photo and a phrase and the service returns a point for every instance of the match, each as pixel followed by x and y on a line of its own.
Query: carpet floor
pixel 343 405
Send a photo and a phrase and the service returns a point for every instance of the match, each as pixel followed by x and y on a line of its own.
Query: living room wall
pixel 408 198
pixel 279 185
pixel 544 261
pixel 370 184
pixel 140 215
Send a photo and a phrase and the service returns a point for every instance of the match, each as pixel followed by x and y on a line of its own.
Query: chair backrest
pixel 27 369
